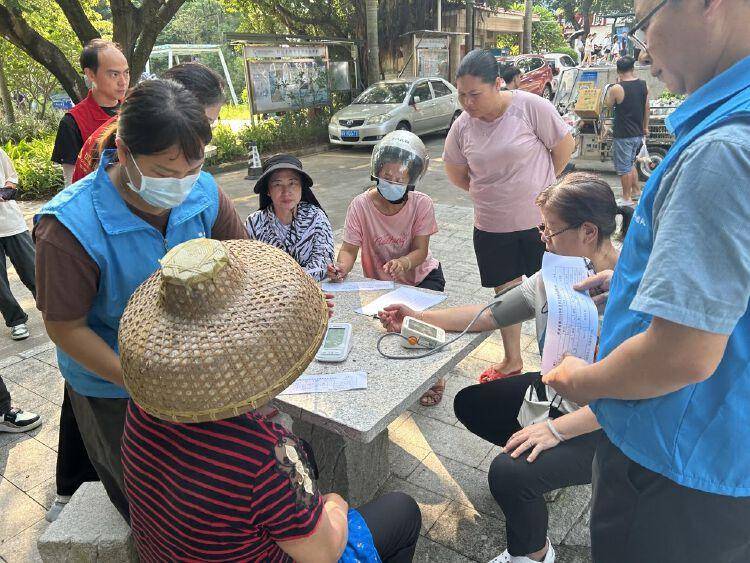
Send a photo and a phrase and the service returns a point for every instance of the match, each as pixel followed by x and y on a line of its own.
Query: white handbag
pixel 533 409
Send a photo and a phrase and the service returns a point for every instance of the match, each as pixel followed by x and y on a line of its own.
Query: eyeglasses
pixel 638 34
pixel 546 238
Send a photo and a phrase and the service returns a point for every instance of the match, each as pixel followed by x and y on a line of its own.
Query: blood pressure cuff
pixel 512 307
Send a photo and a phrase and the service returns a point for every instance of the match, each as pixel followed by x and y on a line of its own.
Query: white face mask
pixel 391 191
pixel 164 193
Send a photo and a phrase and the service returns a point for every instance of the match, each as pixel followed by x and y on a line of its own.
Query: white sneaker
pixel 506 557
pixel 19 332
pixel 16 420
pixel 56 508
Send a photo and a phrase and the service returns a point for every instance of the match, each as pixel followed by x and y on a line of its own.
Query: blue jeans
pixel 624 153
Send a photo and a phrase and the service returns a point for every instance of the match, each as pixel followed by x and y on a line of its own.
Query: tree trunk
pixel 373 51
pixel 16 30
pixel 586 13
pixel 570 15
pixel 10 116
pixel 469 25
pixel 527 21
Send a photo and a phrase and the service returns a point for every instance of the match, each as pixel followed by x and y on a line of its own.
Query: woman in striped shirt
pixel 289 216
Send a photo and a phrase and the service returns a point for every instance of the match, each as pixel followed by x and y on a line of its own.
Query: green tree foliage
pixel 204 22
pixel 546 34
pixel 26 77
pixel 31 25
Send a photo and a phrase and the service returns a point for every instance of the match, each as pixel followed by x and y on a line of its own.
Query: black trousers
pixel 435 280
pixel 639 515
pixel 394 521
pixel 73 464
pixel 490 410
pixel 4 398
pixel 101 422
pixel 19 249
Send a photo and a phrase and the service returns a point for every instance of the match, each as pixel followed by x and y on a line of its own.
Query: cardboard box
pixel 589 103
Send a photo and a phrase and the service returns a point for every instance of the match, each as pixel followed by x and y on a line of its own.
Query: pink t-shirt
pixel 382 238
pixel 509 161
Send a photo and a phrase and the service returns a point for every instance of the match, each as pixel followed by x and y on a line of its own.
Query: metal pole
pixel 440 15
pixel 228 77
pixel 470 25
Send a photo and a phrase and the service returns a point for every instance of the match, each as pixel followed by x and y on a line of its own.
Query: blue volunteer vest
pixel 127 251
pixel 698 436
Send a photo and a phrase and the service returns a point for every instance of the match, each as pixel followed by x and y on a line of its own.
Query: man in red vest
pixel 106 69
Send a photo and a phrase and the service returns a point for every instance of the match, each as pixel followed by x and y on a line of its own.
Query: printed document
pixel 368 285
pixel 572 320
pixel 327 382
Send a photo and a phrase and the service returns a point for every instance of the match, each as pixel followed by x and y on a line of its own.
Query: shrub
pixel 38 177
pixel 227 145
pixel 29 127
pixel 568 51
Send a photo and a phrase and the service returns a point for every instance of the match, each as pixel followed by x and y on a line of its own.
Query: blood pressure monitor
pixel 419 334
pixel 336 344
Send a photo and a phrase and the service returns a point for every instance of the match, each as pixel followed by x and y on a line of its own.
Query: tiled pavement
pixel 433 457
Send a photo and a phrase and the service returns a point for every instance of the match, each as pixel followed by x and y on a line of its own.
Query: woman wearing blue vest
pixel 98 239
pixel 671 389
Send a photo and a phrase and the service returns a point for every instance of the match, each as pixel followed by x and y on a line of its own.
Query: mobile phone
pixel 7 194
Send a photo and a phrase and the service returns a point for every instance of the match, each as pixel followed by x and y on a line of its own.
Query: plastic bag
pixel 643 155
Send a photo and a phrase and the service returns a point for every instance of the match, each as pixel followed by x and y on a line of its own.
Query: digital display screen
pixel 334 338
pixel 427 330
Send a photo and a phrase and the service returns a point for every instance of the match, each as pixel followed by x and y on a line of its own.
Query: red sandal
pixel 491 374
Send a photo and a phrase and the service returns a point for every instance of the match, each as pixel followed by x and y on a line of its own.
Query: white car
pixel 420 105
pixel 559 63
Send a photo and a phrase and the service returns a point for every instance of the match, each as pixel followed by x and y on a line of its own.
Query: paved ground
pixel 433 457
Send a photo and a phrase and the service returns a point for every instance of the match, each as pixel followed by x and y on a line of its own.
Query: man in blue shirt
pixel 671 389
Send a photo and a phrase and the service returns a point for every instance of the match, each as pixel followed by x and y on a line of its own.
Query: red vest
pixel 88 116
pixel 88 158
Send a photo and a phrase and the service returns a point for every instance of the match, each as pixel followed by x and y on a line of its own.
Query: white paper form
pixel 572 320
pixel 412 298
pixel 327 383
pixel 368 285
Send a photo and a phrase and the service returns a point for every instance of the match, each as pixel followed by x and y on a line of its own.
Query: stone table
pixel 348 430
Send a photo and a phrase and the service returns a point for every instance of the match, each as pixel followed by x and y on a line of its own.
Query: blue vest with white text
pixel 126 250
pixel 697 436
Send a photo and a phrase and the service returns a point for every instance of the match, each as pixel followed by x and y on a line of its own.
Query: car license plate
pixel 349 134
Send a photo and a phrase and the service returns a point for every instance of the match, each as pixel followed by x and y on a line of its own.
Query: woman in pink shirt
pixel 392 224
pixel 504 149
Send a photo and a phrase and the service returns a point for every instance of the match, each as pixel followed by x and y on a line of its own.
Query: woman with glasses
pixel 506 147
pixel 579 216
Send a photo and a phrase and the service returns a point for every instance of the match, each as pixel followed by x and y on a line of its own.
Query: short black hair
pixel 205 84
pixel 90 55
pixel 159 114
pixel 480 63
pixel 625 64
pixel 510 73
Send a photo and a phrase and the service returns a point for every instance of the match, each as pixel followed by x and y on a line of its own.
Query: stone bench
pixel 89 529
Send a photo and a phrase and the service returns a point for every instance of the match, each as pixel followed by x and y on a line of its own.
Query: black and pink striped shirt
pixel 216 491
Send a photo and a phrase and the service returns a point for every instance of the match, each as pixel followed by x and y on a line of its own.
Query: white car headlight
pixel 377 119
pixel 334 120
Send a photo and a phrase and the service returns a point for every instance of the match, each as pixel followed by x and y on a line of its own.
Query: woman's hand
pixel 536 438
pixel 329 302
pixel 564 379
pixel 396 267
pixel 597 286
pixel 392 317
pixel 336 272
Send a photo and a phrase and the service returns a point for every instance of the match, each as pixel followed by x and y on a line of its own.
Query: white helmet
pixel 403 148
